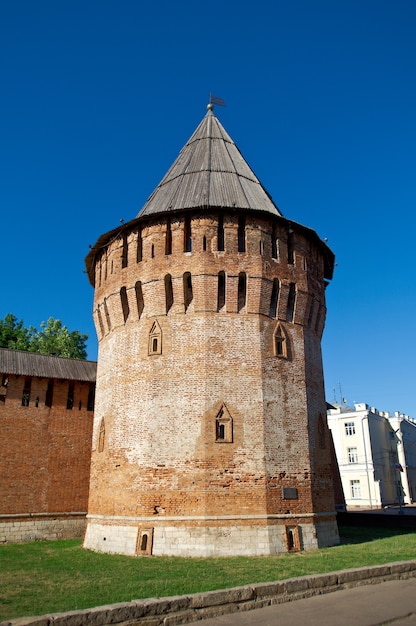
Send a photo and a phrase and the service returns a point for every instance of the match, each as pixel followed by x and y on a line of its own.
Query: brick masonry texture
pixel 210 436
pixel 45 462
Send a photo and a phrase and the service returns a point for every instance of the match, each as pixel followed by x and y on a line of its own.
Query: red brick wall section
pixel 45 452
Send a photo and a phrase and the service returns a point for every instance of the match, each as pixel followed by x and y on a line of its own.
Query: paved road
pixel 370 605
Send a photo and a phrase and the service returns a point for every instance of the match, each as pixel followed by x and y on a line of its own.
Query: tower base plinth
pixel 210 537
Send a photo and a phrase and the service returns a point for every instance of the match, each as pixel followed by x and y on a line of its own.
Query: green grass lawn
pixel 44 577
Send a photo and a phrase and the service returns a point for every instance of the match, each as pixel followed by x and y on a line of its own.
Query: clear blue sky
pixel 99 96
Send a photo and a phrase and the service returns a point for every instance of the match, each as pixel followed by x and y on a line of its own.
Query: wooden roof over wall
pixel 45 366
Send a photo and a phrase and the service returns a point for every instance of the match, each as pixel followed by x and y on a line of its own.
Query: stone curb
pixel 176 610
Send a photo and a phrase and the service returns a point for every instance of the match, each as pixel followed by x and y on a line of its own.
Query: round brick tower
pixel 210 434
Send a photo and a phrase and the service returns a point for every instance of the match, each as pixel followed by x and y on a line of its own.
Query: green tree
pixel 13 334
pixel 52 338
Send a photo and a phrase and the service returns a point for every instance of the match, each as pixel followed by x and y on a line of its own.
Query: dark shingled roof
pixel 209 172
pixel 45 366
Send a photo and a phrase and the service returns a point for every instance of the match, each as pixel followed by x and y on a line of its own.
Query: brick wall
pixel 158 461
pixel 45 450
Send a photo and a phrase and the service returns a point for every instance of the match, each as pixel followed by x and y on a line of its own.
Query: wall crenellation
pixel 120 304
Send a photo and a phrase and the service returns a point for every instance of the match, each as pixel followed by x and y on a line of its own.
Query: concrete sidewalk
pixel 392 602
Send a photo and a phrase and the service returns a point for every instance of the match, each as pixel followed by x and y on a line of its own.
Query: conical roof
pixel 209 172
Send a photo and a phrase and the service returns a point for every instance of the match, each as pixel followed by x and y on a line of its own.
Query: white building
pixel 376 455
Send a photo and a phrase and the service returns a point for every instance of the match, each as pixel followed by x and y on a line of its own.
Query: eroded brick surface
pixel 177 366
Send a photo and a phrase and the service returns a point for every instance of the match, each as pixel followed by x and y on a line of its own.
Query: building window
pixel 139 298
pixel 220 234
pixel 91 397
pixel 124 303
pixel 168 239
pixel 107 314
pixel 49 394
pixel 241 233
pixel 100 320
pixel 144 541
pixel 187 235
pixel 125 252
pixel 70 397
pixel 223 426
pixel 242 291
pixel 349 428
pixel 275 244
pixel 168 292
pixel 352 455
pixel 99 270
pixel 155 339
pixel 139 249
pixel 187 290
pixel 3 388
pixel 280 342
pixel 290 252
pixel 221 290
pixel 106 266
pixel 26 392
pixel 291 300
pixel 274 298
pixel 293 541
pixel 355 489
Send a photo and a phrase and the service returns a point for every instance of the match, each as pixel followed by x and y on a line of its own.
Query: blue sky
pixel 98 97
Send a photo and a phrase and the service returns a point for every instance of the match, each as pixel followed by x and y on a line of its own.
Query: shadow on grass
pixel 358 534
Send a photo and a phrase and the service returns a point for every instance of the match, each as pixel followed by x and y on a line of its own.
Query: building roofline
pixel 20 363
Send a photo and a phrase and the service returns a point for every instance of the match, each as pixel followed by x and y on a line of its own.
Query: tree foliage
pixel 52 338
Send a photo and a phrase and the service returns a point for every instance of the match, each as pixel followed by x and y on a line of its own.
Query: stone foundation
pixel 41 527
pixel 208 537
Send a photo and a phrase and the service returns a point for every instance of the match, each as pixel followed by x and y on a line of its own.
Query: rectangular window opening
pixel 352 455
pixel 70 397
pixel 349 429
pixel 26 392
pixel 49 394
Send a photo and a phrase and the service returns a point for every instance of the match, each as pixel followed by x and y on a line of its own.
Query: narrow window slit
pixel 221 291
pixel 139 298
pixel 124 303
pixel 274 298
pixel 242 291
pixel 220 234
pixel 187 289
pixel 291 300
pixel 168 240
pixel 242 233
pixel 168 292
pixel 187 233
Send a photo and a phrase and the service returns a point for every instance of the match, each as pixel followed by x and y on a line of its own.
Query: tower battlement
pixel 262 266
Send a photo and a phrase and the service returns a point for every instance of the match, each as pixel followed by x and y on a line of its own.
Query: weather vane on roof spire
pixel 215 100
